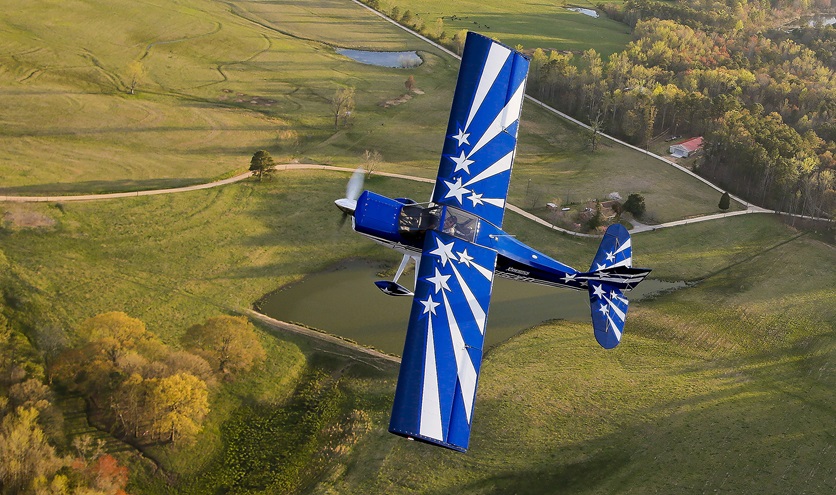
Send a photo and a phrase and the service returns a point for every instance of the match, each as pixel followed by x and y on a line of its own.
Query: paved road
pixel 95 197
pixel 638 227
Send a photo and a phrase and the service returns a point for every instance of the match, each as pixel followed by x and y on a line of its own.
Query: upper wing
pixel 443 351
pixel 475 167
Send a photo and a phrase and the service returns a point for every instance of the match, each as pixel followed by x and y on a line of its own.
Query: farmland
pixel 723 386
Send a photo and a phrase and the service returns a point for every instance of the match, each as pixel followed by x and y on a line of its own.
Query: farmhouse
pixel 686 148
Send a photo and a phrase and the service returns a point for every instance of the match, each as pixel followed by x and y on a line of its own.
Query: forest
pixel 763 98
pixel 761 93
pixel 135 387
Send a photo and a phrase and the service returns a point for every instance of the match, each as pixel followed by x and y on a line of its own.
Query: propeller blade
pixel 355 184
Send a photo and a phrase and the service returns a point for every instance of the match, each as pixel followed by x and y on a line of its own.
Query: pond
pixel 402 60
pixel 824 20
pixel 581 10
pixel 344 301
pixel 813 21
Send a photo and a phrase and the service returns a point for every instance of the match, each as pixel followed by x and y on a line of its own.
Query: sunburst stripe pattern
pixel 481 141
pixel 442 357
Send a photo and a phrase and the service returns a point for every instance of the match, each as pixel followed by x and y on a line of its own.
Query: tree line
pixel 766 105
pixel 135 387
pixel 763 98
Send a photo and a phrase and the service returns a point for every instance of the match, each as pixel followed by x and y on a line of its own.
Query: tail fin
pixel 611 273
pixel 615 249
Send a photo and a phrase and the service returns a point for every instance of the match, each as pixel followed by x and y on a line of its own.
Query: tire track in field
pixel 150 46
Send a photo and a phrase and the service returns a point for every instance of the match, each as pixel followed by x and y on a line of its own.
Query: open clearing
pixel 224 82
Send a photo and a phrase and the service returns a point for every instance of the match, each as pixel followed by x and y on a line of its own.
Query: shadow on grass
pixel 566 478
pixel 99 187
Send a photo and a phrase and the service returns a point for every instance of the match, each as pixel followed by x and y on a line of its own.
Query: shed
pixel 686 148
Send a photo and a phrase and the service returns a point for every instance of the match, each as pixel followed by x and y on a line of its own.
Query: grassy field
pixel 725 386
pixel 722 387
pixel 223 82
pixel 723 377
pixel 532 24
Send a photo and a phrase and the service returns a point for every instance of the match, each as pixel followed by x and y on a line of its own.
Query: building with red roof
pixel 686 148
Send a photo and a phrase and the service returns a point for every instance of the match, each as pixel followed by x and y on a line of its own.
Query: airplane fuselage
pixel 402 225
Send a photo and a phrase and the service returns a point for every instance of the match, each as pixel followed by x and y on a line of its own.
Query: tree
pixel 229 343
pixel 725 201
pixel 438 31
pixel 459 39
pixel 596 125
pixel 129 405
pixel 635 205
pixel 107 475
pixel 342 105
pixel 25 454
pixel 51 340
pixel 372 159
pixel 115 333
pixel 136 73
pixel 262 164
pixel 180 403
pixel 395 13
pixel 410 83
pixel 597 218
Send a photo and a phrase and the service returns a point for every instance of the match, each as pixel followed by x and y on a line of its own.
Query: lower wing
pixel 443 351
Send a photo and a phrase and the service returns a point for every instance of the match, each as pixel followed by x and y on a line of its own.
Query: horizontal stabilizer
pixel 609 311
pixel 392 288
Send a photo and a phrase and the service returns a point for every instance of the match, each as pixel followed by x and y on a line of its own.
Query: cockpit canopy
pixel 416 219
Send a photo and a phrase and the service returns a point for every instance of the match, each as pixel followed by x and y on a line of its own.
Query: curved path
pixel 638 227
pixel 325 337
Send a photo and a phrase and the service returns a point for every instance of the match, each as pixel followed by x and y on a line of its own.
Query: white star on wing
pixel 429 305
pixel 456 190
pixel 439 280
pixel 461 137
pixel 443 251
pixel 569 278
pixel 462 163
pixel 604 309
pixel 465 258
pixel 597 290
pixel 476 198
pixel 610 256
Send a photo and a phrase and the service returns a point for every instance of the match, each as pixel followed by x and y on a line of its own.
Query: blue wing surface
pixel 442 354
pixel 481 140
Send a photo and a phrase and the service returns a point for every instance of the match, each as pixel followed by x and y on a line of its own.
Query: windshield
pixel 418 218
pixel 461 224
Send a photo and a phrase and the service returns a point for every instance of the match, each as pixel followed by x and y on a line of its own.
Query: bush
pixel 635 205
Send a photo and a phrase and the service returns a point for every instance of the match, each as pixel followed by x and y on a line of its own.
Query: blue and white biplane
pixel 458 245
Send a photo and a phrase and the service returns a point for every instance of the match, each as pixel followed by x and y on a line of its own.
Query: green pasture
pixel 721 387
pixel 532 24
pixel 223 82
pixel 730 372
pixel 220 83
pixel 724 386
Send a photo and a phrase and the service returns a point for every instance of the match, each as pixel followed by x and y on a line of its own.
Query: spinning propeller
pixel 353 190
